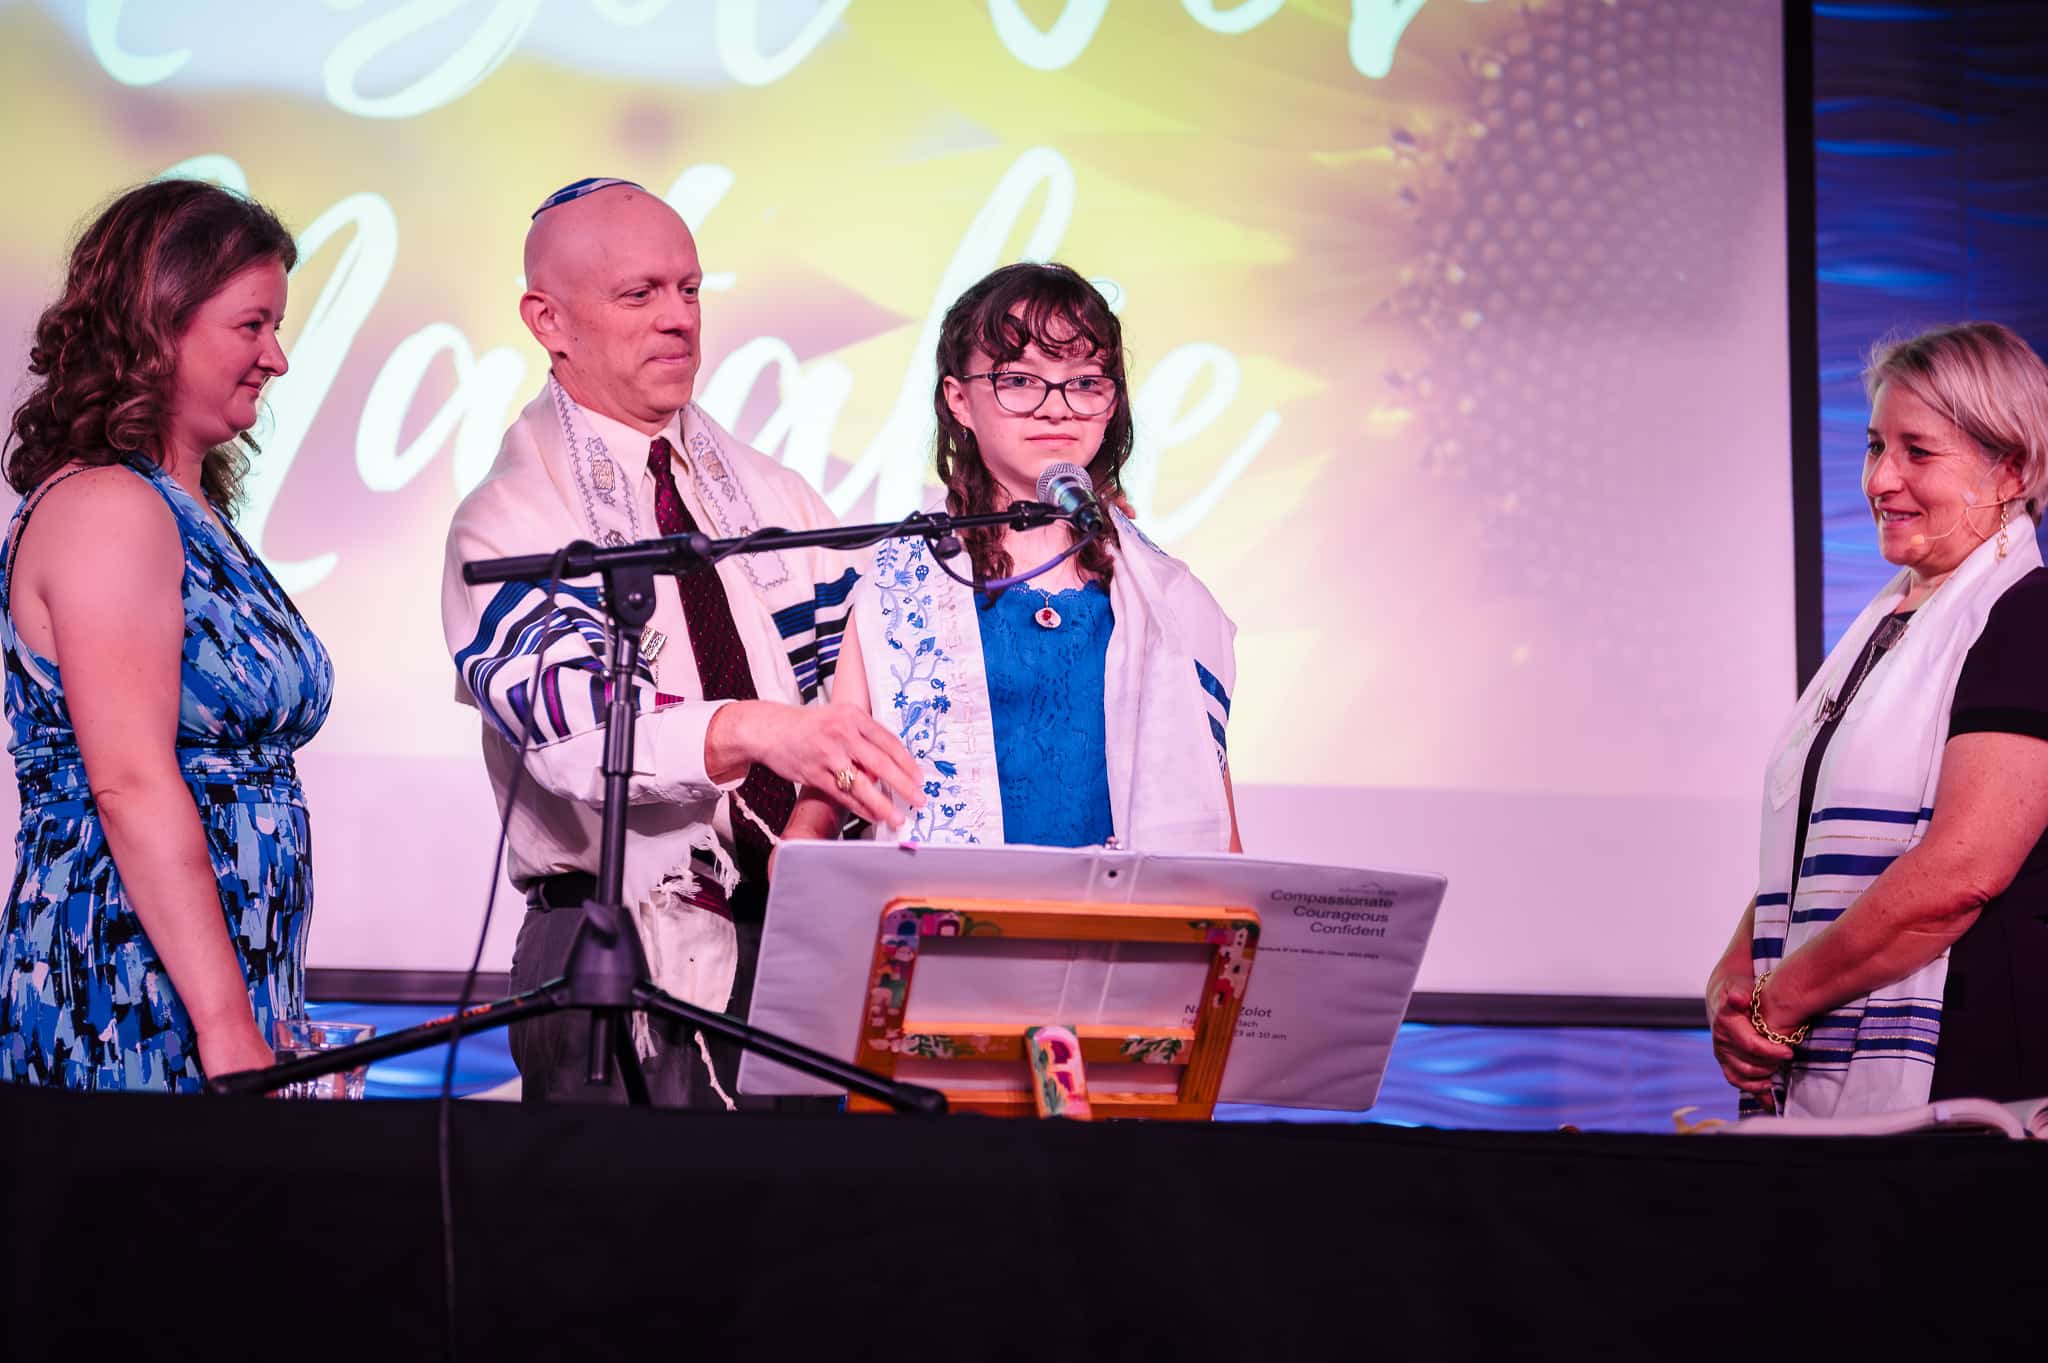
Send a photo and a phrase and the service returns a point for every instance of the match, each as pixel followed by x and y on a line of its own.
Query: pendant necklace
pixel 1045 615
pixel 1882 639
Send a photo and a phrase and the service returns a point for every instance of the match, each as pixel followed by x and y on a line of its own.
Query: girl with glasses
pixel 1087 705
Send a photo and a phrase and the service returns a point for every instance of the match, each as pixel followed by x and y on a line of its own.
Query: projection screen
pixel 1458 337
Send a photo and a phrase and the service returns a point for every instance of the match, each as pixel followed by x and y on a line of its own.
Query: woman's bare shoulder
pixel 107 515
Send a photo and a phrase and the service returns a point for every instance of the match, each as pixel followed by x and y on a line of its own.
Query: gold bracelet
pixel 1756 1017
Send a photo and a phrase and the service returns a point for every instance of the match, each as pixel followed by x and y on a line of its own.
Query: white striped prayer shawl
pixel 1872 801
pixel 556 480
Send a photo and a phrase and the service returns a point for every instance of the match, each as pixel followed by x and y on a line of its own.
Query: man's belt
pixel 570 890
pixel 563 890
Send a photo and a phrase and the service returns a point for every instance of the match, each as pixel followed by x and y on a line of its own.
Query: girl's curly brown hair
pixel 1009 309
pixel 106 351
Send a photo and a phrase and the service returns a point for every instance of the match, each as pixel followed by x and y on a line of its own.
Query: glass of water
pixel 299 1037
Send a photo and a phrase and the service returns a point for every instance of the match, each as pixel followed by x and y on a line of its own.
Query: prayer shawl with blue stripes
pixel 1872 800
pixel 556 480
pixel 1167 679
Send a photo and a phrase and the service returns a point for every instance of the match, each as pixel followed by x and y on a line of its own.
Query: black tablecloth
pixel 230 1228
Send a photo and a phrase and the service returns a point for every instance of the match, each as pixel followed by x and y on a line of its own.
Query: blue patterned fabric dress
pixel 85 1001
pixel 1045 698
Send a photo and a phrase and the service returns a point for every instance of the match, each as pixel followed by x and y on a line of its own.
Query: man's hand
pixel 814 746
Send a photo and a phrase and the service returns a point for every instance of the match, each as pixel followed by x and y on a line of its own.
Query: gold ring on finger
pixel 843 778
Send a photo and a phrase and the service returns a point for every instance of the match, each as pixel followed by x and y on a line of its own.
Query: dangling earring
pixel 2004 510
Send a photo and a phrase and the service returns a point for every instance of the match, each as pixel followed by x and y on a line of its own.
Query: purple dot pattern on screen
pixel 1588 187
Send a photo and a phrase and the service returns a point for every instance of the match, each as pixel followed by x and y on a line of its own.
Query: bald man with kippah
pixel 614 450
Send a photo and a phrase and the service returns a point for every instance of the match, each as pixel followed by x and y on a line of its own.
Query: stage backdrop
pixel 1458 348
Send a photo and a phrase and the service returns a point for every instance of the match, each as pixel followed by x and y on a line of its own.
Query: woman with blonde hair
pixel 1897 947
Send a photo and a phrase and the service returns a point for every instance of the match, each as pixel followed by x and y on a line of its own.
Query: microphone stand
pixel 606 973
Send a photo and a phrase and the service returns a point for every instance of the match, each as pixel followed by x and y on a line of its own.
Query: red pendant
pixel 1047 618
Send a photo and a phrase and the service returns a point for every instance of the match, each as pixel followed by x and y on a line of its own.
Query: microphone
pixel 1068 487
pixel 1962 519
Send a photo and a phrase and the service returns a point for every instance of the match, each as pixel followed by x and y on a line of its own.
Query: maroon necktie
pixel 721 669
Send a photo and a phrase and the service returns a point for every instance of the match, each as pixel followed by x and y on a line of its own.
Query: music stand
pixel 1123 947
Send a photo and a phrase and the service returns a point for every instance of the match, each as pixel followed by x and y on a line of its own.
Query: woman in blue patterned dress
pixel 158 679
pixel 1088 706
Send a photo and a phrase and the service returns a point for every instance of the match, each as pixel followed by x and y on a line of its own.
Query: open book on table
pixel 2026 1119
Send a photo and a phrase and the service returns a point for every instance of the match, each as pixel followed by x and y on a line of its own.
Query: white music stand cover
pixel 1337 956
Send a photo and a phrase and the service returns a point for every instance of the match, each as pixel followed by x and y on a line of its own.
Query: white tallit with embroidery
pixel 1872 801
pixel 1167 679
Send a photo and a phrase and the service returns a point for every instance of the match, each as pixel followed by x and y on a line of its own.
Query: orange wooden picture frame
pixel 1199 1050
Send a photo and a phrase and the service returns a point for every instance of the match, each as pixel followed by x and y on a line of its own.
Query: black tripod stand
pixel 606 973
